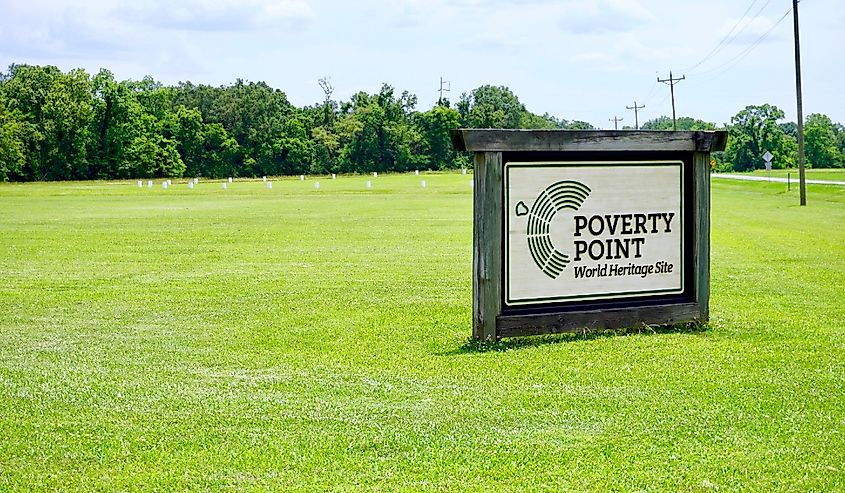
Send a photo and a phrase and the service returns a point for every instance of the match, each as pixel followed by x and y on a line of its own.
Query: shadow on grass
pixel 473 346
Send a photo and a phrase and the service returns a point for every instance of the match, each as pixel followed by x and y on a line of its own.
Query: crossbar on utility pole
pixel 671 81
pixel 442 89
pixel 615 121
pixel 636 117
pixel 802 185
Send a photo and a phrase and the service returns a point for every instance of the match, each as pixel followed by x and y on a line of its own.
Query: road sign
pixel 768 158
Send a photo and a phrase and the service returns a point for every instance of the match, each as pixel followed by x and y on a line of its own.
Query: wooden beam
pixel 614 318
pixel 498 140
pixel 701 235
pixel 487 246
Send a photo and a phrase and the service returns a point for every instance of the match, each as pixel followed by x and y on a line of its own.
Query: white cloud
pixel 220 15
pixel 603 16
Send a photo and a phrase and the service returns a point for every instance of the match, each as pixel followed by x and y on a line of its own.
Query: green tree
pixel 839 129
pixel 186 127
pixel 149 156
pixel 491 107
pixel 544 122
pixel 755 130
pixel 290 154
pixel 119 122
pixel 252 113
pixel 326 146
pixel 683 123
pixel 378 134
pixel 820 143
pixel 57 108
pixel 578 125
pixel 12 130
pixel 221 154
pixel 434 126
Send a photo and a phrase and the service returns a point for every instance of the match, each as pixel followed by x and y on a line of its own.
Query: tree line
pixel 58 125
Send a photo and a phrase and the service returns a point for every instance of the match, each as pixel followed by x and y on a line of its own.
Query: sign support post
pixel 587 230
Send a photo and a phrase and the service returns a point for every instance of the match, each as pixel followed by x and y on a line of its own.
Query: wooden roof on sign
pixel 498 140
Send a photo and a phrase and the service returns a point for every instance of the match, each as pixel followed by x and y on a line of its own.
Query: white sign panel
pixel 593 230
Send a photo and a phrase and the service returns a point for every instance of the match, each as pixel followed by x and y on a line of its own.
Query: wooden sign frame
pixel 493 148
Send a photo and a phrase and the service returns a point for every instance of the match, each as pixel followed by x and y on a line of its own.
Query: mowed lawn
pixel 827 174
pixel 296 339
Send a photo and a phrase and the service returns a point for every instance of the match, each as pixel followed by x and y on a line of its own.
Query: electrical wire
pixel 738 58
pixel 721 43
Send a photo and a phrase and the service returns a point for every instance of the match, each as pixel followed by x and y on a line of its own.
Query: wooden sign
pixel 576 231
pixel 580 230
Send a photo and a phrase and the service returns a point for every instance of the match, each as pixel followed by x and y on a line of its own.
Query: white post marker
pixel 301 177
pixel 264 178
pixel 270 184
pixel 169 183
pixel 423 183
pixel 369 184
pixel 463 171
pixel 196 180
pixel 230 179
pixel 164 185
pixel 334 176
pixel 316 185
pixel 140 184
pixel 417 172
pixel 225 185
pixel 150 184
pixel 471 184
pixel 191 185
pixel 375 174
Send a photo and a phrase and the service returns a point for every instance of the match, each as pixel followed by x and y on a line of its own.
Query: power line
pixel 733 38
pixel 739 56
pixel 647 97
pixel 724 39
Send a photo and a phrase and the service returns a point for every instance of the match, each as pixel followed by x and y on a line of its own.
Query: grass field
pixel 811 174
pixel 317 340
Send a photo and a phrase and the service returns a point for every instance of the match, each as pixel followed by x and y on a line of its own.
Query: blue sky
pixel 576 59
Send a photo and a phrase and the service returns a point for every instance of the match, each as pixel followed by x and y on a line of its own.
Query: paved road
pixel 732 176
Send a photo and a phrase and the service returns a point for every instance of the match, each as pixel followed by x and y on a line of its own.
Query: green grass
pixel 811 174
pixel 302 340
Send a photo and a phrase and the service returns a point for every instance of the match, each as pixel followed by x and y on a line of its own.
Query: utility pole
pixel 636 118
pixel 802 185
pixel 671 81
pixel 328 89
pixel 615 121
pixel 442 89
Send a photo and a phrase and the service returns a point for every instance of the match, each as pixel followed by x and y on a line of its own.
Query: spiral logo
pixel 562 195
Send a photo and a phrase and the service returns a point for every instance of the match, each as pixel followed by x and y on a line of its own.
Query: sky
pixel 575 59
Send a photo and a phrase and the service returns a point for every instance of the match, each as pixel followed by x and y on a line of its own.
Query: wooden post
pixel 701 213
pixel 487 249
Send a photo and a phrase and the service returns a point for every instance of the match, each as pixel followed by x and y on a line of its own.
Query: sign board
pixel 767 157
pixel 582 230
pixel 576 231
